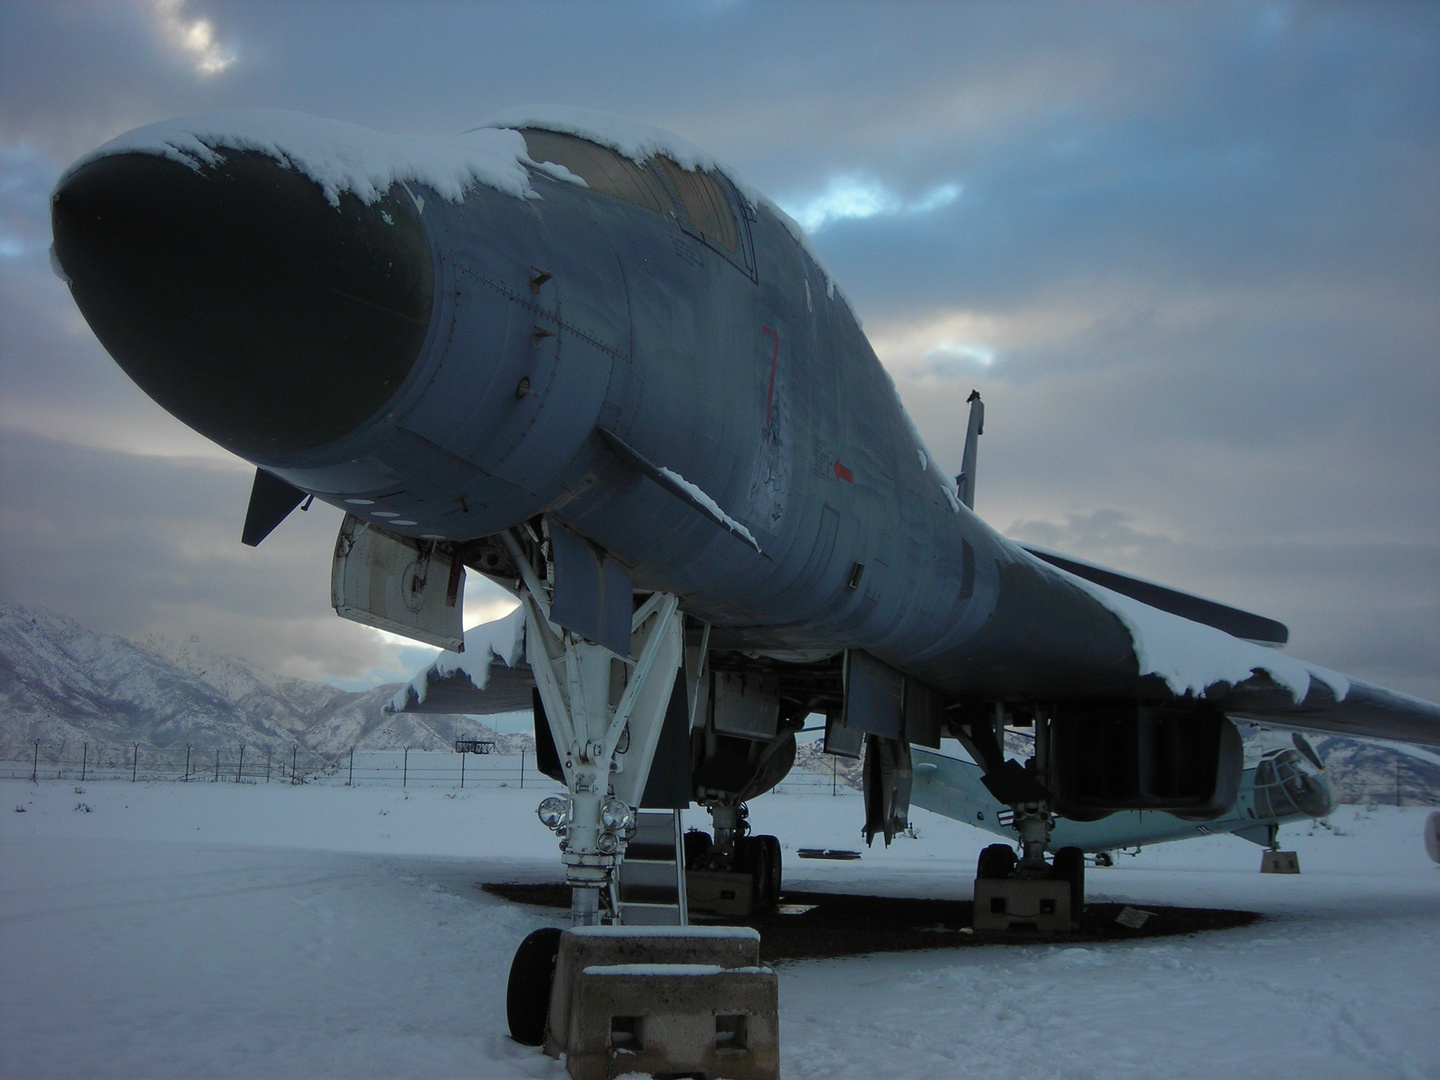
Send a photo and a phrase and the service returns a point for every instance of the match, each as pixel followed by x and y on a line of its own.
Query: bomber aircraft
pixel 580 357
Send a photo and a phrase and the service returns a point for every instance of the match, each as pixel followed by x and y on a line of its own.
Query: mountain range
pixel 61 683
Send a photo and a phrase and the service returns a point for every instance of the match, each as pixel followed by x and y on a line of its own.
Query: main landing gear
pixel 1024 893
pixel 720 869
pixel 1027 893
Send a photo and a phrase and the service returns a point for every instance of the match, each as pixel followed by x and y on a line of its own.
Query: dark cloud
pixel 1192 266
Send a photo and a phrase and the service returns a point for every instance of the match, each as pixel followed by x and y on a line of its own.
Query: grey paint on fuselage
pixel 646 329
pixel 572 312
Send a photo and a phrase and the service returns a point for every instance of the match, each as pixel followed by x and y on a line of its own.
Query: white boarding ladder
pixel 652 873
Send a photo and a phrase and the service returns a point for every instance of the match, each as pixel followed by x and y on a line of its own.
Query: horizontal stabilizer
pixel 1240 624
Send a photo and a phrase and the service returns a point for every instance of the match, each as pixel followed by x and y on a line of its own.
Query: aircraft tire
pixel 757 864
pixel 527 992
pixel 996 862
pixel 697 849
pixel 777 866
pixel 1069 865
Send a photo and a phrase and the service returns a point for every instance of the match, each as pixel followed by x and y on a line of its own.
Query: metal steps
pixel 652 873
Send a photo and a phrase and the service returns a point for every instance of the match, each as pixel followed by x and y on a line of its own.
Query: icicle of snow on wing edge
pixel 710 504
pixel 500 639
pixel 338 156
pixel 1191 656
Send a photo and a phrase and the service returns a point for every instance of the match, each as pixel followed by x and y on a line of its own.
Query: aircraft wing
pixel 1242 624
pixel 1362 710
pixel 489 677
pixel 1190 648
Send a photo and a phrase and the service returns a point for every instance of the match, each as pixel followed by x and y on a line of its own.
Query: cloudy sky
pixel 1189 254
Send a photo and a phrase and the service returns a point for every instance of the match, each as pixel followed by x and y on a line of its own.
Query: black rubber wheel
pixel 757 864
pixel 777 866
pixel 996 863
pixel 1069 865
pixel 527 994
pixel 697 849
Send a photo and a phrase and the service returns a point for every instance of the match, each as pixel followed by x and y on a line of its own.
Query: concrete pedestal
pixel 1041 905
pixel 719 892
pixel 689 1000
pixel 1279 862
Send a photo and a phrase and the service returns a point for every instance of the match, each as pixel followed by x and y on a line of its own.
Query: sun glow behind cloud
pixel 948 345
pixel 195 37
pixel 857 197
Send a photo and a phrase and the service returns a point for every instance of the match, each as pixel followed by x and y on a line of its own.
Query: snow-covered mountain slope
pixel 60 681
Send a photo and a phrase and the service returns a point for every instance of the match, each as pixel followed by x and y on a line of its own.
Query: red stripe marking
pixel 844 473
pixel 774 357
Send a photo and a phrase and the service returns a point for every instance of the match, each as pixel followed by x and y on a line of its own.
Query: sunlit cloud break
pixel 858 197
pixel 195 37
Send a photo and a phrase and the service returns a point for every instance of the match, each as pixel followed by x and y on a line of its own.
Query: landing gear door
pixel 409 587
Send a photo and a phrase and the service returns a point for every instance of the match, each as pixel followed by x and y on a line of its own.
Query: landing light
pixel 553 812
pixel 615 815
pixel 608 843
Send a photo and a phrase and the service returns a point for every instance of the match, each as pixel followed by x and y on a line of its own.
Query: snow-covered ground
pixel 224 930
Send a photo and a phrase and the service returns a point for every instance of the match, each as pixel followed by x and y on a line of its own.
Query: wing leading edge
pixel 1198 658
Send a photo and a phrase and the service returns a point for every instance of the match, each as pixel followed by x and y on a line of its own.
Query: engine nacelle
pixel 1129 756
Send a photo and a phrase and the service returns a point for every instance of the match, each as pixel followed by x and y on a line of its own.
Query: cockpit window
pixel 601 168
pixel 1265 772
pixel 705 202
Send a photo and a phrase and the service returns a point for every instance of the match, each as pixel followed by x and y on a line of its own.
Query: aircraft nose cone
pixel 240 299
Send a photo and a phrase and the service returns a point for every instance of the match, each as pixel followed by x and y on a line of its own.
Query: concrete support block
pixel 722 947
pixel 691 1019
pixel 719 892
pixel 1279 862
pixel 1041 905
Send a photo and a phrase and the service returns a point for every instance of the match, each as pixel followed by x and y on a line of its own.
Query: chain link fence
pixel 405 768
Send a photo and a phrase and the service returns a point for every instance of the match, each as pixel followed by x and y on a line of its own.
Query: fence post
pixel 834 773
pixel 135 763
pixel 240 769
pixel 405 768
pixel 462 772
pixel 84 759
pixel 35 764
pixel 522 769
pixel 217 765
pixel 267 764
pixel 350 780
pixel 187 763
pixel 294 754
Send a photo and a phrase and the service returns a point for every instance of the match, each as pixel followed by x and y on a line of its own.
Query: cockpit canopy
pixel 658 184
pixel 1286 783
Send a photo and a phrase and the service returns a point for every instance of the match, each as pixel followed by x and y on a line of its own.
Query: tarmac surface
pixel 835 925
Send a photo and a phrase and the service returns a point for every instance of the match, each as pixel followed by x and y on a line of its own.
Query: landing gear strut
pixel 605 712
pixel 1028 893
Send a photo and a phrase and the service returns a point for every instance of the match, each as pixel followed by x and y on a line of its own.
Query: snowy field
pixel 265 931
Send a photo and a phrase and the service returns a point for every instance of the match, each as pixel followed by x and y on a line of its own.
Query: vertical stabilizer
pixel 966 480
